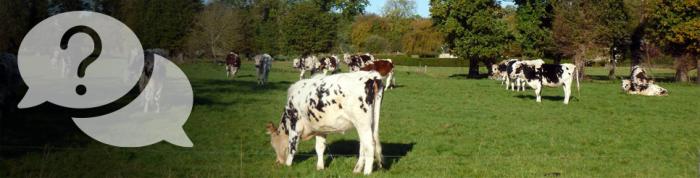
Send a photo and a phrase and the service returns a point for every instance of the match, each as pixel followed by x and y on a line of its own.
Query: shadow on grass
pixel 551 98
pixel 466 76
pixel 392 152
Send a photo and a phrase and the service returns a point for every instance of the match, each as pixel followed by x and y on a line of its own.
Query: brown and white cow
pixel 355 62
pixel 385 67
pixel 641 84
pixel 537 75
pixel 323 105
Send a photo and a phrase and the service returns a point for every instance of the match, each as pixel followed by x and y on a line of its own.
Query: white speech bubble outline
pixel 104 78
pixel 130 126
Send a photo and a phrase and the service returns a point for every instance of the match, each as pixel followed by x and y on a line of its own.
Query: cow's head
pixel 517 70
pixel 626 85
pixel 279 141
pixel 495 71
pixel 347 58
pixel 296 63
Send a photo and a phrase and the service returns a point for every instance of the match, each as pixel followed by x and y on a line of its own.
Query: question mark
pixel 96 51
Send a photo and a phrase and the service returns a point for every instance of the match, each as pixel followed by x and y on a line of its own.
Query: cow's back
pixel 326 103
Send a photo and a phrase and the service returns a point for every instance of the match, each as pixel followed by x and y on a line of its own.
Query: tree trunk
pixel 580 66
pixel 697 78
pixel 488 64
pixel 681 69
pixel 613 63
pixel 611 74
pixel 473 68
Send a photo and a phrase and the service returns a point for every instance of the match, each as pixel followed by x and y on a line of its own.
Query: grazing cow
pixel 385 67
pixel 233 63
pixel 304 63
pixel 323 105
pixel 641 84
pixel 537 74
pixel 355 62
pixel 329 63
pixel 263 63
pixel 10 83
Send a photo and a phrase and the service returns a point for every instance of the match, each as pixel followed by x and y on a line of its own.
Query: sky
pixel 422 6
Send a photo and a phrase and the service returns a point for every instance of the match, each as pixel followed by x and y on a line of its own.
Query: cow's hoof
pixel 319 168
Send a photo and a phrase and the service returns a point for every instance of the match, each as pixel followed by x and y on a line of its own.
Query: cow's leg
pixel 507 82
pixel 293 144
pixel 366 150
pixel 522 85
pixel 388 80
pixel 320 148
pixel 375 129
pixel 567 91
pixel 301 76
pixel 518 83
pixel 538 91
pixel 228 71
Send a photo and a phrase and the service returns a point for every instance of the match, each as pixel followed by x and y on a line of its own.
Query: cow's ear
pixel 271 128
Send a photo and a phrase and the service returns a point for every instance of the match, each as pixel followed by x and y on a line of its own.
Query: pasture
pixel 435 124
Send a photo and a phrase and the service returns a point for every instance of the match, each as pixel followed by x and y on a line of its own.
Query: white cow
pixel 263 63
pixel 537 74
pixel 323 105
pixel 641 84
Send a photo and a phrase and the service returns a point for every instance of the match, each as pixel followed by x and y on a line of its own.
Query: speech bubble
pixel 130 126
pixel 56 40
pixel 113 60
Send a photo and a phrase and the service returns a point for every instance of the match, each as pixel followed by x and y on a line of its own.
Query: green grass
pixel 436 124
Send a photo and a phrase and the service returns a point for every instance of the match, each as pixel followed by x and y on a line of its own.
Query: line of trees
pixel 482 31
pixel 197 28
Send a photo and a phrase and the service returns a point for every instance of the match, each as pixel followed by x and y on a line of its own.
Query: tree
pixel 423 38
pixel 308 29
pixel 572 30
pixel 159 24
pixel 215 29
pixel 474 29
pixel 534 27
pixel 676 27
pixel 613 31
pixel 399 8
pixel 398 14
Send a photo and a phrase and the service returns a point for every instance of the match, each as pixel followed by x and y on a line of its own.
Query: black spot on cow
pixel 502 67
pixel 509 68
pixel 552 72
pixel 372 86
pixel 321 91
pixel 529 71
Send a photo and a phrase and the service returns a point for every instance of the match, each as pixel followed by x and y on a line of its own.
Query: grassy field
pixel 435 124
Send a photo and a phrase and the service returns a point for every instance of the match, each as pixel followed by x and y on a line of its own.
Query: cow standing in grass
pixel 329 64
pixel 305 63
pixel 641 84
pixel 233 63
pixel 502 70
pixel 355 62
pixel 385 67
pixel 323 105
pixel 263 63
pixel 537 74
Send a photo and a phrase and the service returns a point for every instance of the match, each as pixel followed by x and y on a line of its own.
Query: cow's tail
pixel 378 89
pixel 578 84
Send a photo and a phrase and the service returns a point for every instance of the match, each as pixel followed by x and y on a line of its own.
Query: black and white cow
pixel 323 105
pixel 537 74
pixel 501 72
pixel 641 84
pixel 263 63
pixel 304 63
pixel 356 62
pixel 329 64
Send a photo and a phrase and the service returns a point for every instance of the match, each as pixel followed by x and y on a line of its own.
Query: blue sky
pixel 422 6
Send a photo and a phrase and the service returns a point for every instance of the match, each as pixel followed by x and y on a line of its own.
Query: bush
pixel 404 60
